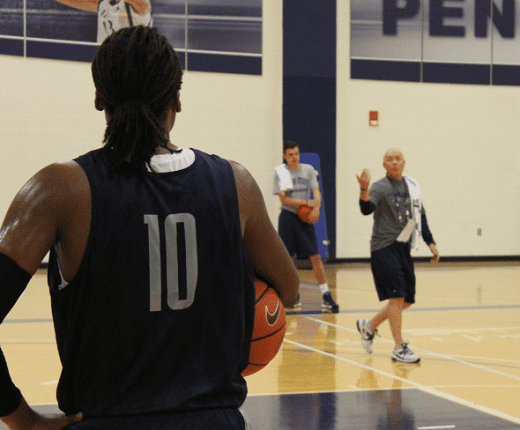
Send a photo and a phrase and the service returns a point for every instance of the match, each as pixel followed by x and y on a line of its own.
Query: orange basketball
pixel 303 213
pixel 269 328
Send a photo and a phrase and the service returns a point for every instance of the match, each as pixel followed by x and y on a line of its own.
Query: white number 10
pixel 181 260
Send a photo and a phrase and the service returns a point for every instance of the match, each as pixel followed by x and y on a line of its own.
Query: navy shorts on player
pixel 208 419
pixel 299 237
pixel 392 267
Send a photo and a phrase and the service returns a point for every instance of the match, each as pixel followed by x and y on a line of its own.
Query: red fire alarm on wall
pixel 373 118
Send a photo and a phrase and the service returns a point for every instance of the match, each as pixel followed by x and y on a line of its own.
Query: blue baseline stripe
pixel 224 64
pixel 447 73
pixel 222 10
pixel 506 75
pixel 11 47
pixel 61 51
pixel 386 70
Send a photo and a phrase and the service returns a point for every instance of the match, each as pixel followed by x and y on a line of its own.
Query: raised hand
pixel 364 179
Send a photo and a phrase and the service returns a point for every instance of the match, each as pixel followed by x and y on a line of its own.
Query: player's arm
pixel 265 250
pixel 315 203
pixel 316 198
pixel 89 5
pixel 289 201
pixel 32 225
pixel 428 237
pixel 48 210
pixel 142 7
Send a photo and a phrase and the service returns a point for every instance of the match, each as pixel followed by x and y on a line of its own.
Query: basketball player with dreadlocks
pixel 152 253
pixel 115 14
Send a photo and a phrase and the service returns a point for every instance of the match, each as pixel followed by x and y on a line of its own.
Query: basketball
pixel 303 213
pixel 269 328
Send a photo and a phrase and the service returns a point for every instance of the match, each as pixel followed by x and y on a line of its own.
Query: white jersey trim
pixel 165 163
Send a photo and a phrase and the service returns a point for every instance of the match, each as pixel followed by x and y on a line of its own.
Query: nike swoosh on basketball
pixel 272 318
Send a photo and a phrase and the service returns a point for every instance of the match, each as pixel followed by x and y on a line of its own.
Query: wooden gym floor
pixel 465 326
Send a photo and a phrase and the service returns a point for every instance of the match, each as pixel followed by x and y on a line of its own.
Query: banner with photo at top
pixel 222 36
pixel 437 41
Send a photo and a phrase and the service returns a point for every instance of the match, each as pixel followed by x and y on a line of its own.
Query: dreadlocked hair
pixel 137 75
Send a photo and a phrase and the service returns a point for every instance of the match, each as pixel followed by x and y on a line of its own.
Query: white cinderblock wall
pixel 460 141
pixel 47 114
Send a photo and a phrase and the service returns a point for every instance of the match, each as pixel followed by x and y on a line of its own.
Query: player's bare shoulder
pixel 68 176
pixel 247 188
pixel 243 178
pixel 61 185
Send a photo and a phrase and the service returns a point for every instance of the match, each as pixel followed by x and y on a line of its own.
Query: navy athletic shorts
pixel 299 237
pixel 392 267
pixel 206 419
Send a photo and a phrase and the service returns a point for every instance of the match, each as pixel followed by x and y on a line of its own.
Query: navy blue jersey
pixel 159 316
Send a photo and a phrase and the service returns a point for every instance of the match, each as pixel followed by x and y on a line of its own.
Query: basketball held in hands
pixel 268 330
pixel 303 213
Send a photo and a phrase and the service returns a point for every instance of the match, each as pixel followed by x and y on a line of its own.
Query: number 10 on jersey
pixel 180 239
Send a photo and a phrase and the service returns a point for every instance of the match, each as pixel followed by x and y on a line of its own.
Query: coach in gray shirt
pixel 399 222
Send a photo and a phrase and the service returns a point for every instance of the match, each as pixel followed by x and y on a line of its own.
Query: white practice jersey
pixel 116 14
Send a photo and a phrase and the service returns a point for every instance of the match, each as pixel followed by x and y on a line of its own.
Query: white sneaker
pixel 405 354
pixel 367 335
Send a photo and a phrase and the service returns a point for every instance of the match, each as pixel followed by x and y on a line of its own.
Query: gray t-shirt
pixel 304 180
pixel 393 210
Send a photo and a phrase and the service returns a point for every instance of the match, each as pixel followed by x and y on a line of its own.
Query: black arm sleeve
pixel 13 280
pixel 10 396
pixel 367 207
pixel 426 233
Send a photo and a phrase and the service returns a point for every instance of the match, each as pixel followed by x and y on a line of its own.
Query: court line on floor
pixel 415 309
pixel 446 357
pixel 421 387
pixel 464 308
pixel 435 427
pixel 27 341
pixel 27 321
pixel 452 299
pixel 457 330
